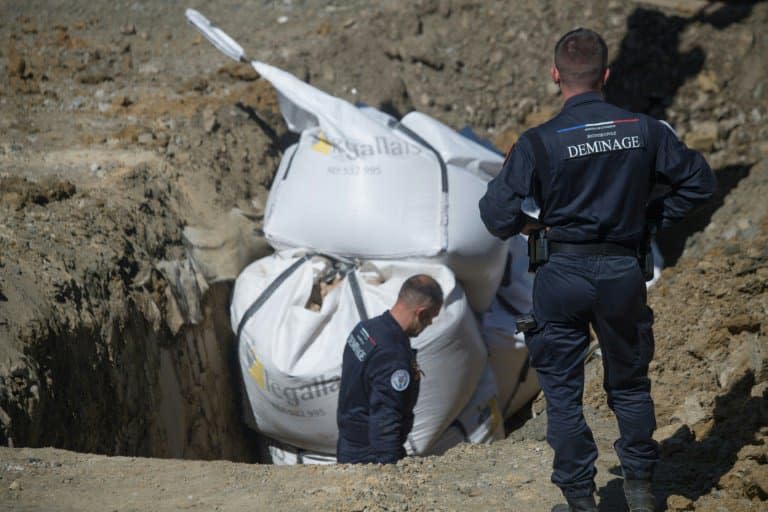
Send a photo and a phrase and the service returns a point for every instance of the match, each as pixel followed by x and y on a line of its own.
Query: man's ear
pixel 606 74
pixel 431 311
pixel 555 74
pixel 420 310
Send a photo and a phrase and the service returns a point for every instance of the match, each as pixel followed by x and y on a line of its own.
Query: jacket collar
pixel 585 97
pixel 394 325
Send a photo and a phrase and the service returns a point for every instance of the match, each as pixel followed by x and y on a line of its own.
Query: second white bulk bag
pixel 479 422
pixel 507 354
pixel 290 356
pixel 516 290
pixel 508 358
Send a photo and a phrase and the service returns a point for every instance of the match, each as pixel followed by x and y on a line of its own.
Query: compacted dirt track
pixel 127 143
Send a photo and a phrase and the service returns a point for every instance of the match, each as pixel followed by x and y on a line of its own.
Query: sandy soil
pixel 120 127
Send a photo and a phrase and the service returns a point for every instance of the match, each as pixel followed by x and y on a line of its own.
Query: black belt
pixel 592 249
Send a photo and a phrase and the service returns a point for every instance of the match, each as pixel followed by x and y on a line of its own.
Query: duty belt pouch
pixel 538 249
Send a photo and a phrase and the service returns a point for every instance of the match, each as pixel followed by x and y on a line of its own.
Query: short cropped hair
pixel 421 290
pixel 581 57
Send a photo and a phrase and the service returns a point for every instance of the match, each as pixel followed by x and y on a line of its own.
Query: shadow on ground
pixel 612 494
pixel 646 76
pixel 692 468
pixel 650 68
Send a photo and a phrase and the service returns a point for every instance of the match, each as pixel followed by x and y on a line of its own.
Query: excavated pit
pixel 133 388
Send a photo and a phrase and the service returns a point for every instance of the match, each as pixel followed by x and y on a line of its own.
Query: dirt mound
pixel 121 127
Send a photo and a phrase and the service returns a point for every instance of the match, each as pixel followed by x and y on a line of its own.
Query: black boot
pixel 583 504
pixel 639 496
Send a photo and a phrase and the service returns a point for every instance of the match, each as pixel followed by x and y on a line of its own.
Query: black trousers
pixel 569 293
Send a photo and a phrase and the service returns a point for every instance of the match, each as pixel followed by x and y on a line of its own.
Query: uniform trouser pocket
pixel 536 342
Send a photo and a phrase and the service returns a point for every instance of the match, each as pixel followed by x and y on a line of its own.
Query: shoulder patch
pixel 604 137
pixel 361 343
pixel 400 380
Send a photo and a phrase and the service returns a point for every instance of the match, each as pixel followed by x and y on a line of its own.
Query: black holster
pixel 525 323
pixel 538 249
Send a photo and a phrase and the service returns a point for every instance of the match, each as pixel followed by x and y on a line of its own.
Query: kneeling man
pixel 380 376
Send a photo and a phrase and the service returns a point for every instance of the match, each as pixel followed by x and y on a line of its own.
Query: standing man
pixel 380 376
pixel 591 170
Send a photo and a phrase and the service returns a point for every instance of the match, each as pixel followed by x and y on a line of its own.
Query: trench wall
pixel 129 386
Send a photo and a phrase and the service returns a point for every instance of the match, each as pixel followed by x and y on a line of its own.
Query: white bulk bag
pixel 478 262
pixel 455 148
pixel 360 184
pixel 377 206
pixel 291 356
pixel 479 422
pixel 291 375
pixel 354 186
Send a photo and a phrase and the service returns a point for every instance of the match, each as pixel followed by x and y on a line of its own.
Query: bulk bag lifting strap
pixel 285 274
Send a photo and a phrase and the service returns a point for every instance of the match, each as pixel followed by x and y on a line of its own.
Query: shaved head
pixel 581 57
pixel 421 290
pixel 418 303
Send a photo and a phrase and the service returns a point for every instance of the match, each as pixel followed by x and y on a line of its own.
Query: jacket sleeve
pixel 387 407
pixel 501 206
pixel 690 179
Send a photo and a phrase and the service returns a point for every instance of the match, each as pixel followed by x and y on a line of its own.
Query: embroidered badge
pixel 400 380
pixel 361 342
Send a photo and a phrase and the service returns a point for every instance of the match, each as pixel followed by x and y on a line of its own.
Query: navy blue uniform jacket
pixel 591 171
pixel 379 388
